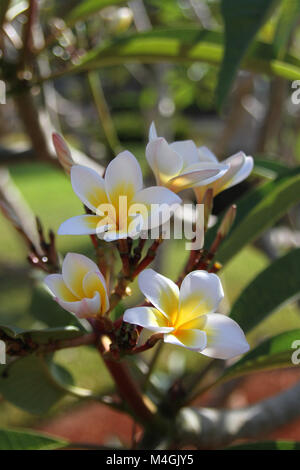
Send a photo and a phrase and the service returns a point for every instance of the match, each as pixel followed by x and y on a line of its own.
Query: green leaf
pixel 41 336
pixel 269 168
pixel 258 210
pixel 267 445
pixel 44 309
pixel 179 45
pixel 88 7
pixel 34 383
pixel 11 439
pixel 288 18
pixel 242 22
pixel 276 285
pixel 273 353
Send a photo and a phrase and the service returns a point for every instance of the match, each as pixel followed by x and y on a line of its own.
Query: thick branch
pixel 24 347
pixel 208 428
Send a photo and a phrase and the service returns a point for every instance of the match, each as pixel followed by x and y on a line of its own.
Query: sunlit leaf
pixel 30 383
pixel 242 21
pixel 276 285
pixel 267 445
pixel 88 7
pixel 11 439
pixel 182 45
pixel 273 353
pixel 288 18
pixel 258 210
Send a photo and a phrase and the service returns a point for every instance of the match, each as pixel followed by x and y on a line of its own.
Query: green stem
pixel 152 364
pixel 103 111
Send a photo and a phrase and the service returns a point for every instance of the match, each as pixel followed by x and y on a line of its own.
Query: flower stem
pixel 142 407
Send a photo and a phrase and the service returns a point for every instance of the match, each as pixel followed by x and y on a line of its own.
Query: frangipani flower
pixel 186 317
pixel 239 168
pixel 116 199
pixel 81 288
pixel 181 164
pixel 178 166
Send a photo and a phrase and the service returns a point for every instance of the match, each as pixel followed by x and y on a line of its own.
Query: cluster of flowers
pixel 184 316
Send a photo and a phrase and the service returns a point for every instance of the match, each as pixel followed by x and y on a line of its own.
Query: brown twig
pixel 26 346
pixel 151 253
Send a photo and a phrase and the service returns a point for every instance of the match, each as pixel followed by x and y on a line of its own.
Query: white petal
pixel 160 291
pixel 187 150
pixel 89 186
pixel 164 162
pixel 147 317
pixel 123 177
pixel 200 174
pixel 160 204
pixel 243 173
pixel 82 225
pixel 195 340
pixel 58 288
pixel 74 268
pixel 157 195
pixel 95 282
pixel 235 163
pixel 206 155
pixel 83 308
pixel 200 293
pixel 152 132
pixel 225 339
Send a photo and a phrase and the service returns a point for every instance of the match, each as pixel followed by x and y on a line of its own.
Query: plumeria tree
pixel 127 226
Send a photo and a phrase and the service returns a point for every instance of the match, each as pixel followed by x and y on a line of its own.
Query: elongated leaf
pixel 183 45
pixel 257 211
pixel 269 168
pixel 242 21
pixel 11 439
pixel 289 17
pixel 30 383
pixel 41 336
pixel 273 287
pixel 89 7
pixel 273 353
pixel 267 445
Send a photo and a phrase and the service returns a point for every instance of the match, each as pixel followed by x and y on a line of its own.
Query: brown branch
pixel 208 428
pixel 26 346
pixel 141 406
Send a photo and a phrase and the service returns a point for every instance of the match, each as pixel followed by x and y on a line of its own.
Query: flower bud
pixel 63 153
pixel 227 221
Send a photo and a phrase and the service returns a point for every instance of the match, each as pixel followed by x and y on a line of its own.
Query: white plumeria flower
pixel 239 168
pixel 81 288
pixel 186 317
pixel 182 162
pixel 114 200
pixel 178 166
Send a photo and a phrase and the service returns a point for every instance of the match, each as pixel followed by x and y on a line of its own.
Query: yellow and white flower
pixel 181 165
pixel 239 168
pixel 178 166
pixel 186 316
pixel 121 206
pixel 81 288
